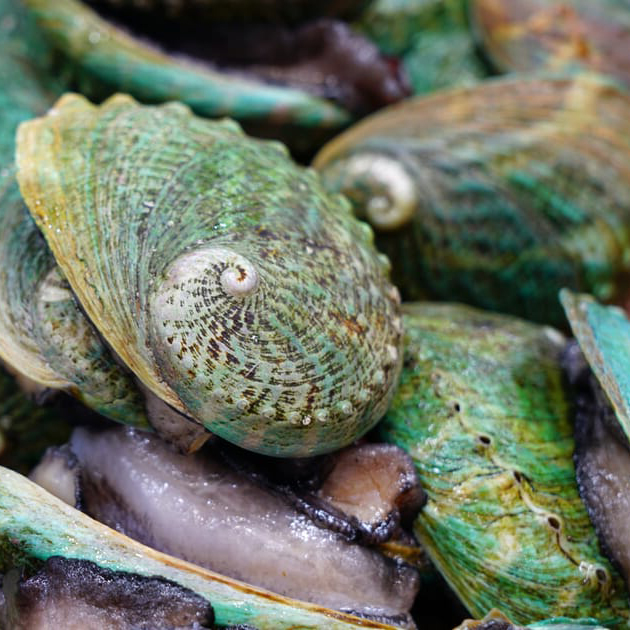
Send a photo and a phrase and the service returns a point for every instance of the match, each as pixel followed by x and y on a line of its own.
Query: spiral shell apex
pixel 222 274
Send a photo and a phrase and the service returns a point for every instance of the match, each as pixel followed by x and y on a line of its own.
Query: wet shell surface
pixel 526 35
pixel 220 273
pixel 483 410
pixel 497 195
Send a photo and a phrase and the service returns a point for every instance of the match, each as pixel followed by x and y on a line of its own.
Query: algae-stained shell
pixel 35 525
pixel 603 333
pixel 221 273
pixel 527 35
pixel 43 335
pixel 498 194
pixel 482 410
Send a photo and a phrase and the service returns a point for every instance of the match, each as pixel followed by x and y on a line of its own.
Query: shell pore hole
pixel 554 523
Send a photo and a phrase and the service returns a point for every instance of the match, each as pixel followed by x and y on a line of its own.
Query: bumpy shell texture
pixel 497 195
pixel 483 411
pixel 221 273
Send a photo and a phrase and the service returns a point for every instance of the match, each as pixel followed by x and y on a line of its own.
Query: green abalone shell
pixel 603 333
pixel 498 194
pixel 43 334
pixel 106 59
pixel 483 410
pixel 222 274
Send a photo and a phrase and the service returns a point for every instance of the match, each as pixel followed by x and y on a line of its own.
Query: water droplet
pixel 94 37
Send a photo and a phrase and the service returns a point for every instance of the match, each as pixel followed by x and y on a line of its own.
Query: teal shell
pixel 222 274
pixel 35 525
pixel 482 410
pixel 498 194
pixel 603 333
pixel 107 60
pixel 43 334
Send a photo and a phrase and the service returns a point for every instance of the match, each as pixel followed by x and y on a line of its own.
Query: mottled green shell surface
pixel 498 194
pixel 43 334
pixel 482 410
pixel 222 274
pixel 528 35
pixel 35 525
pixel 603 333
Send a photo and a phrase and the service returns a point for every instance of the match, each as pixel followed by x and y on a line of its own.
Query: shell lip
pixel 603 335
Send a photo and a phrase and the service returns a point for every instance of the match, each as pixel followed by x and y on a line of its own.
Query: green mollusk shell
pixel 603 333
pixel 105 55
pixel 553 35
pixel 35 525
pixel 222 274
pixel 43 334
pixel 482 410
pixel 497 194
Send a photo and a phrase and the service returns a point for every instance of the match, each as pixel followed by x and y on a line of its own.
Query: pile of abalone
pixel 226 401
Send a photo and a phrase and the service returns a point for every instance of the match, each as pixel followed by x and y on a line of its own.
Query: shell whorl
pixel 386 192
